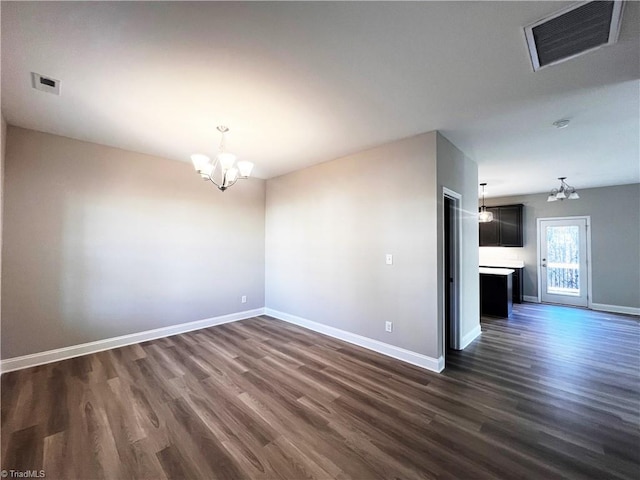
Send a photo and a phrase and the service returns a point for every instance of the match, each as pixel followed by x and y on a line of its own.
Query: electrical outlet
pixel 389 259
pixel 388 326
pixel 244 299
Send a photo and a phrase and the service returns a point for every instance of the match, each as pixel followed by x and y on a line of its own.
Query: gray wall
pixel 328 228
pixel 615 239
pixel 101 242
pixel 460 174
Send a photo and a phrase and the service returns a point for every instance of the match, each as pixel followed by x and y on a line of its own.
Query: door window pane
pixel 563 260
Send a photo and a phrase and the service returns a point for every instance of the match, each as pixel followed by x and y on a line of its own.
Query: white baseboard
pixel 615 309
pixel 40 358
pixel 603 307
pixel 470 337
pixel 429 363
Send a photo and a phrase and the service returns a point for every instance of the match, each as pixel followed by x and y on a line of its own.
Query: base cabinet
pixel 517 282
pixel 518 274
pixel 496 295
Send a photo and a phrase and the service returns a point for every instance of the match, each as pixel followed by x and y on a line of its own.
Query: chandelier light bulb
pixel 245 168
pixel 226 160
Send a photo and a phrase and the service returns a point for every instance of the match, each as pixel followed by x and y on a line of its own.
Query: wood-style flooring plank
pixel 551 392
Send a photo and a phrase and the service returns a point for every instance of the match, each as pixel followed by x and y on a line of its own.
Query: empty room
pixel 325 240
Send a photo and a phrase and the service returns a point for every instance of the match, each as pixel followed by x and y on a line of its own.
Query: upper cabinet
pixel 506 230
pixel 490 231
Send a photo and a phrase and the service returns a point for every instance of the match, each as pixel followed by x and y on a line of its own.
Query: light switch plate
pixel 389 259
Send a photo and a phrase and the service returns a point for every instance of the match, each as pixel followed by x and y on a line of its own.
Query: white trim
pixel 470 337
pixel 602 307
pixel 429 363
pixel 615 309
pixel 40 358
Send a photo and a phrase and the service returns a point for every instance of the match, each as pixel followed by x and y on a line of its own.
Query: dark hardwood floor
pixel 551 392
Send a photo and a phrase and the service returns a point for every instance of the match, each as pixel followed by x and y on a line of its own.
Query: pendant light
pixel 225 171
pixel 484 216
pixel 565 191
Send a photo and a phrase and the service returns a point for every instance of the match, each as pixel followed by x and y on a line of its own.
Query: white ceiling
pixel 301 83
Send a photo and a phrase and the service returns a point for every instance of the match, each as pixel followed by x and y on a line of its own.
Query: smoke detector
pixel 573 31
pixel 45 84
pixel 564 123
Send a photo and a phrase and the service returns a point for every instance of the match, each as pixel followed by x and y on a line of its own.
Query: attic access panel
pixel 573 31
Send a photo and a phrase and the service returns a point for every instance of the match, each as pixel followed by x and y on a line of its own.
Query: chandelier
pixel 565 191
pixel 484 216
pixel 225 171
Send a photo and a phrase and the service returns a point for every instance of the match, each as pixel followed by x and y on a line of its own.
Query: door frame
pixel 456 262
pixel 588 242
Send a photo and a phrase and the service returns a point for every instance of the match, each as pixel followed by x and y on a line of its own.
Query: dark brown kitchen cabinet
pixel 496 294
pixel 506 229
pixel 490 231
pixel 517 281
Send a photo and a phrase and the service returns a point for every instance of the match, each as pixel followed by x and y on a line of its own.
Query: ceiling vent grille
pixel 573 31
pixel 45 84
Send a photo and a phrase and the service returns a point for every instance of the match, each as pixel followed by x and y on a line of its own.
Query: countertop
pixel 503 263
pixel 495 271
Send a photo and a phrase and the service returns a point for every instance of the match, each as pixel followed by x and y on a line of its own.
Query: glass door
pixel 563 261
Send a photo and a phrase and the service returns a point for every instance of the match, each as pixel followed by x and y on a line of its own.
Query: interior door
pixel 564 276
pixel 452 222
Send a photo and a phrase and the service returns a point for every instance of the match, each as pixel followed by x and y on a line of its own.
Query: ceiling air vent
pixel 573 31
pixel 46 84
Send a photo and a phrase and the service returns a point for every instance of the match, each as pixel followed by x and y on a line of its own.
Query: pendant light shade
pixel 484 216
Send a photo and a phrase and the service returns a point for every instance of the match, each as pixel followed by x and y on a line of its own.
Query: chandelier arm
pixel 214 182
pixel 234 182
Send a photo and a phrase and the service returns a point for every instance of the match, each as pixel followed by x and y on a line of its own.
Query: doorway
pixel 564 258
pixel 452 227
